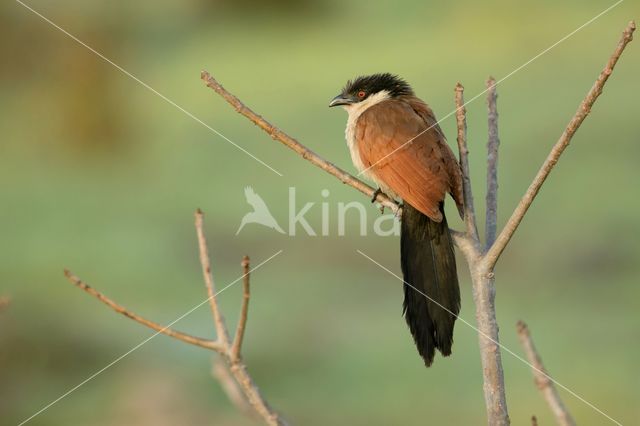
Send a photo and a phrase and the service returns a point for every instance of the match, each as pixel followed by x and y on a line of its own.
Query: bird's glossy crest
pixel 375 83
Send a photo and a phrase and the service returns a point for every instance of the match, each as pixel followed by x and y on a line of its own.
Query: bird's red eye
pixel 361 94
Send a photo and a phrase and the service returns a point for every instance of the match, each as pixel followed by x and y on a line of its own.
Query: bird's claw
pixel 375 195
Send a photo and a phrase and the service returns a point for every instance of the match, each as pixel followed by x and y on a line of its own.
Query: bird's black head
pixel 359 89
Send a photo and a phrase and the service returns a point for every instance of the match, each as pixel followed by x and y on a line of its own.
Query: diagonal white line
pixel 496 83
pixel 127 73
pixel 94 375
pixel 496 342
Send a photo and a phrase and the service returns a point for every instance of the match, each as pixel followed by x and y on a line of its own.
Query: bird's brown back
pixel 422 171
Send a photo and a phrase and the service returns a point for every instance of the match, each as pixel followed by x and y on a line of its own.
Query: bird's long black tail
pixel 429 264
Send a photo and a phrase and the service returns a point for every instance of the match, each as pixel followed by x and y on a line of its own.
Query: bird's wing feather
pixel 254 199
pixel 420 172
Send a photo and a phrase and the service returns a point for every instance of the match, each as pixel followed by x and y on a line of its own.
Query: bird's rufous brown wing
pixel 422 171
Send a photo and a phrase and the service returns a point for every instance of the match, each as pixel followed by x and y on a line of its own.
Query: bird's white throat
pixel 354 111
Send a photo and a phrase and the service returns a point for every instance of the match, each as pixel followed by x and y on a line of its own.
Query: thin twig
pixel 187 338
pixel 299 148
pixel 236 348
pixel 583 110
pixel 218 319
pixel 542 380
pixel 461 120
pixel 493 144
pixel 220 372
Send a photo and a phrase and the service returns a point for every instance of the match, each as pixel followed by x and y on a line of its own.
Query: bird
pixel 394 140
pixel 260 213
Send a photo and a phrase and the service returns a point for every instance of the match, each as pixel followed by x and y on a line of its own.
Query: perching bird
pixel 394 140
pixel 260 213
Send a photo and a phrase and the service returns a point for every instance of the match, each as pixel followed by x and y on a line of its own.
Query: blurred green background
pixel 102 176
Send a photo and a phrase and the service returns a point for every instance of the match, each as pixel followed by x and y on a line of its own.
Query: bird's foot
pixel 375 195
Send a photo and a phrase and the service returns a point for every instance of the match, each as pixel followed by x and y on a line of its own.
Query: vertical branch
pixel 542 379
pixel 244 310
pixel 484 295
pixel 218 319
pixel 483 287
pixel 461 120
pixel 493 144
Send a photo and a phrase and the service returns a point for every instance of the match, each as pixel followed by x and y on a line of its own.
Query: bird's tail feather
pixel 429 266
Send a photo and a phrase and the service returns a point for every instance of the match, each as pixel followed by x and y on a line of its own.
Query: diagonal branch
pixel 583 110
pixel 218 319
pixel 293 144
pixel 187 338
pixel 492 164
pixel 461 120
pixel 542 380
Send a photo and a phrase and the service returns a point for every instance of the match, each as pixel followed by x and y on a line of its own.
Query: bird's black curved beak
pixel 340 100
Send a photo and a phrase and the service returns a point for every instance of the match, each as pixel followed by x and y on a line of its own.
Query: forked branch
pixel 233 376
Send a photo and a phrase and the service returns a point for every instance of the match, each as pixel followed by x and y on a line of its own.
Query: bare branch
pixel 244 310
pixel 542 379
pixel 493 144
pixel 483 286
pixel 236 372
pixel 218 319
pixel 221 373
pixel 495 395
pixel 192 340
pixel 534 421
pixel 293 144
pixel 237 368
pixel 583 110
pixel 461 120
